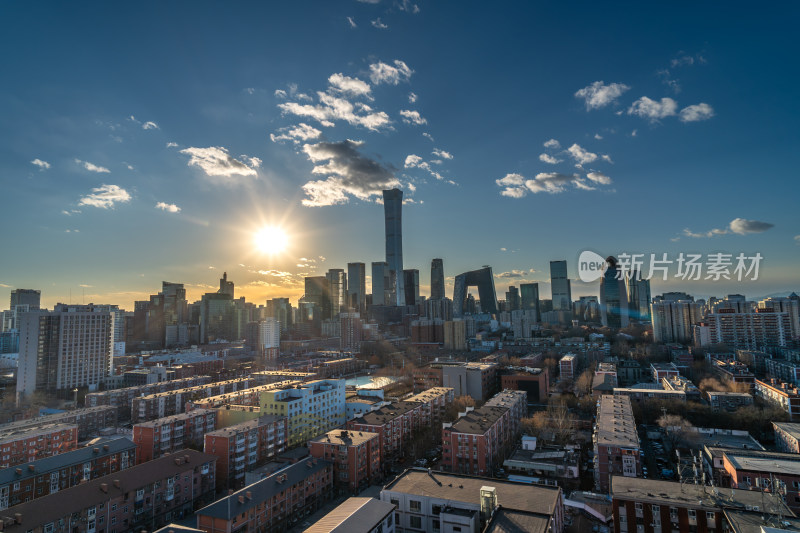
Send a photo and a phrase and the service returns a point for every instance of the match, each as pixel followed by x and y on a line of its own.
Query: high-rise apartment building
pixel 613 296
pixel 393 212
pixel 66 348
pixel 356 286
pixel 560 286
pixel 437 279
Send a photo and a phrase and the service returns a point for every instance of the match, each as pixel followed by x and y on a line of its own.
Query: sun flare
pixel 271 240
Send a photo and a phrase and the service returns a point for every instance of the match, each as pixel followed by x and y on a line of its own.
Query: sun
pixel 271 240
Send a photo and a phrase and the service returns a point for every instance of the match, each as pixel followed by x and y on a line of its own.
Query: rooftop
pixel 466 489
pixel 345 437
pixel 355 515
pixel 62 460
pixel 682 495
pixel 54 506
pixel 264 490
pixel 615 423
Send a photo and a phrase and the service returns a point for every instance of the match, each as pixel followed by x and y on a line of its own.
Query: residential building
pixel 143 497
pixel 357 515
pixel 244 446
pixel 783 395
pixel 19 445
pixel 59 472
pixel 787 436
pixel 169 434
pixel 355 456
pixel 271 503
pixel 616 442
pixel 443 502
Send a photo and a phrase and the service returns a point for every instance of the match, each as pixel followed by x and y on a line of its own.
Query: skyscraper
pixel 380 283
pixel 613 296
pixel 356 286
pixel 437 279
pixel 393 212
pixel 411 283
pixel 529 296
pixel 560 286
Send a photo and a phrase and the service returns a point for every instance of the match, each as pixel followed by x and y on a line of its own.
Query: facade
pixel 357 515
pixel 245 446
pixel 478 380
pixel 484 280
pixel 273 503
pixel 19 445
pixel 673 320
pixel 393 212
pixel 144 497
pixel 167 435
pixel 59 472
pixel 68 347
pixel 616 442
pixel 436 501
pixel 437 279
pixel 355 455
pixel 787 436
pixel 613 296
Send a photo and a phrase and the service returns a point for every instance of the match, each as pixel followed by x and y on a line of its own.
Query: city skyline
pixel 130 165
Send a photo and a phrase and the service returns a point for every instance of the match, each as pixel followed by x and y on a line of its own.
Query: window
pixel 414 506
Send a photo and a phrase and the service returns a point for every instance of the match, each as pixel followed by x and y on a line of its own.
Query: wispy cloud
pixel 106 196
pixel 301 132
pixel 653 110
pixel 43 165
pixel 91 167
pixel 171 208
pixel 349 173
pixel 378 24
pixel 599 95
pixel 697 112
pixel 412 117
pixel 381 72
pixel 216 161
pixel 738 226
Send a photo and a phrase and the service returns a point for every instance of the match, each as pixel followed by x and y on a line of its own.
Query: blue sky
pixel 149 141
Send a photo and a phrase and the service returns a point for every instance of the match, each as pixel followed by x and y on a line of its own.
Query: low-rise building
pixel 356 457
pixel 59 472
pixel 780 394
pixel 617 451
pixel 273 503
pixel 166 435
pixel 26 444
pixel 787 436
pixel 357 515
pixel 244 446
pixel 437 501
pixel 143 497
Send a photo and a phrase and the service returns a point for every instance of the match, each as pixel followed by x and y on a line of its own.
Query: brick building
pixel 244 446
pixel 59 472
pixel 165 435
pixel 273 502
pixel 355 455
pixel 616 442
pixel 25 444
pixel 143 497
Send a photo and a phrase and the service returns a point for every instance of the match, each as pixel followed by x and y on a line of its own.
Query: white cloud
pixel 652 109
pixel 412 117
pixel 349 173
pixel 216 161
pixel 105 196
pixel 345 84
pixel 91 167
pixel 743 226
pixel 599 95
pixel 442 154
pixel 695 113
pixel 172 208
pixel 552 143
pixel 378 24
pixel 412 97
pixel 297 133
pixel 352 22
pixel 382 73
pixel 172 144
pixel 150 125
pixel 43 165
pixel 517 186
pixel 580 155
pixel 546 158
